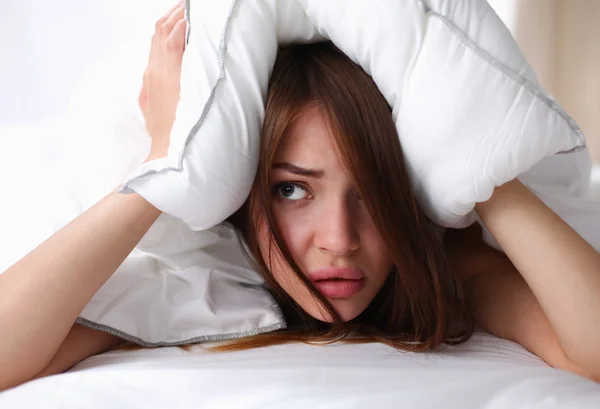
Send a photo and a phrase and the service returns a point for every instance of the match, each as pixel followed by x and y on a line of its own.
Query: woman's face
pixel 324 223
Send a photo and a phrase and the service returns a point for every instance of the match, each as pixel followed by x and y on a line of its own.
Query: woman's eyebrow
pixel 289 167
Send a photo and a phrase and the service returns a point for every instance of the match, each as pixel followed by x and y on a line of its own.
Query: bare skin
pixel 545 292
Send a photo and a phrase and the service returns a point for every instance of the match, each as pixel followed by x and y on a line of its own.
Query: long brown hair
pixel 421 305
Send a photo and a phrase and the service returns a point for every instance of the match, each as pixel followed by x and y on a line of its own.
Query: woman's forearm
pixel 561 268
pixel 42 295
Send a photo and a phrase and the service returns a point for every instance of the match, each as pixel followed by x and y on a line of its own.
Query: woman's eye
pixel 291 191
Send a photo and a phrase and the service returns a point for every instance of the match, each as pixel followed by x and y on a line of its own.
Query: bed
pixel 486 372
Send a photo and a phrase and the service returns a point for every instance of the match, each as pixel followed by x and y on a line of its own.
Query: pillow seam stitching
pixel 515 76
pixel 221 54
pixel 195 340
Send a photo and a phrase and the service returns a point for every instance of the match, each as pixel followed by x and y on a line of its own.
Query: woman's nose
pixel 336 229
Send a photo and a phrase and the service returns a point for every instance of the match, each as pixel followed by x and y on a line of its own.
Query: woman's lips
pixel 338 282
pixel 337 288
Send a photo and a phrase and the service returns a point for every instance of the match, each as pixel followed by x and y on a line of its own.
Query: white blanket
pixel 486 372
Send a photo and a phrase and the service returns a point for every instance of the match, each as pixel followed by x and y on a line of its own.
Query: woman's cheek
pixel 295 226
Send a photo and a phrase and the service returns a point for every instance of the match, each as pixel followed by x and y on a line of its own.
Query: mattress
pixel 486 372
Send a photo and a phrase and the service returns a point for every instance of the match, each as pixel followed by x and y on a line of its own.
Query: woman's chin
pixel 346 309
pixel 348 313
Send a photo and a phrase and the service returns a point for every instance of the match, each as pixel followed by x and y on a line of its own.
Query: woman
pixel 333 226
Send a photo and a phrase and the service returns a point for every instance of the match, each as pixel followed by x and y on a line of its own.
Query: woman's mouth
pixel 339 288
pixel 338 282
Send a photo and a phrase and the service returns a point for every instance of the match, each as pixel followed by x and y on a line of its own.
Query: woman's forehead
pixel 307 140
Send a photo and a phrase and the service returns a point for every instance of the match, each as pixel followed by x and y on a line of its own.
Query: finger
pixel 164 26
pixel 177 15
pixel 176 40
pixel 164 18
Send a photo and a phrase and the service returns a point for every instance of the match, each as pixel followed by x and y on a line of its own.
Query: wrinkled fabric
pixel 486 372
pixel 468 109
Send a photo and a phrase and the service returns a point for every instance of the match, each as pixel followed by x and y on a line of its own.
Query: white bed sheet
pixel 486 372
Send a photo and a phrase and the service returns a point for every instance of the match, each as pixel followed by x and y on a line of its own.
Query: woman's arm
pixel 504 305
pixel 559 267
pixel 81 342
pixel 42 295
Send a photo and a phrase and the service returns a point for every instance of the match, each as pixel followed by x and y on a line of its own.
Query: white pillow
pixel 468 109
pixel 177 286
pixel 180 285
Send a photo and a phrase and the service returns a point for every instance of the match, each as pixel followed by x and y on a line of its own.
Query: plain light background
pixel 46 46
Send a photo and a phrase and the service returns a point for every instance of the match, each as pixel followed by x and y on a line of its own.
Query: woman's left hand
pixel 558 265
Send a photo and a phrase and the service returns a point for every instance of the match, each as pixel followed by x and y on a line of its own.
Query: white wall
pixel 45 46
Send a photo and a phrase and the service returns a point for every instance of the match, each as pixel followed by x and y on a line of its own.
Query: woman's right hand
pixel 159 95
pixel 39 302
